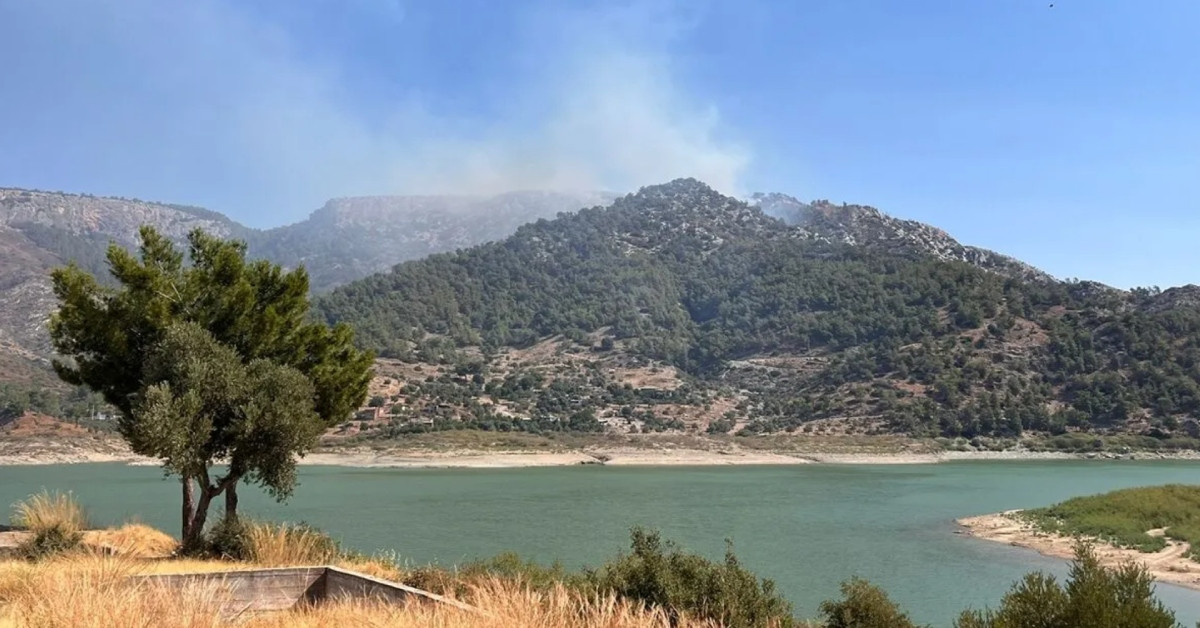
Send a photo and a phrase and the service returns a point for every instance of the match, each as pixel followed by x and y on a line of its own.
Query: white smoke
pixel 603 111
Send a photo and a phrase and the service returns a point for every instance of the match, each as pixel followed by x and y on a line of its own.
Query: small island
pixel 1156 527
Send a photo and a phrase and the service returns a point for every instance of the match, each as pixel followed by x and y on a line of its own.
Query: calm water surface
pixel 808 527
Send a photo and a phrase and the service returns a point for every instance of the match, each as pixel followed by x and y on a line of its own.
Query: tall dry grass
pixel 91 591
pixel 287 544
pixel 133 539
pixel 46 510
pixel 500 604
pixel 94 591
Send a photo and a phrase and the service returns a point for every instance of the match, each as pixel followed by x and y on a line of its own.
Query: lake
pixel 808 527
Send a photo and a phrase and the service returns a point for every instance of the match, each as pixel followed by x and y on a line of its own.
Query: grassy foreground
pixel 1125 517
pixel 94 591
pixel 68 576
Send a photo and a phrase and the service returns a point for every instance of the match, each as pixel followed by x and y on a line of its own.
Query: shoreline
pixel 1169 565
pixel 468 458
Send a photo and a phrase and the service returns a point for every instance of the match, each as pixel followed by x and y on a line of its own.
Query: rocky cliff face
pixel 861 225
pixel 116 218
pixel 41 230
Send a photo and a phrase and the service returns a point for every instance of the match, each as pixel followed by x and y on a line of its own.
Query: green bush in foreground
pixel 226 539
pixel 509 566
pixel 265 543
pixel 1092 596
pixel 658 573
pixel 863 605
pixel 49 542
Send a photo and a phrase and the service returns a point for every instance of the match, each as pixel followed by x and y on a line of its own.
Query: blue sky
pixel 1067 136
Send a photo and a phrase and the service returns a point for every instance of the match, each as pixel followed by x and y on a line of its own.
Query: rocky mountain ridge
pixel 347 239
pixel 656 319
pixel 862 225
pixel 678 308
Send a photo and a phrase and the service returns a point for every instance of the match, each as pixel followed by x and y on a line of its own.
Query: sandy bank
pixel 1168 565
pixel 484 460
pixel 45 451
pixel 72 457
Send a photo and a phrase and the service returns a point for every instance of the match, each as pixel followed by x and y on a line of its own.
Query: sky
pixel 1066 135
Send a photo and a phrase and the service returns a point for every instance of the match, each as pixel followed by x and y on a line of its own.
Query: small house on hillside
pixel 371 414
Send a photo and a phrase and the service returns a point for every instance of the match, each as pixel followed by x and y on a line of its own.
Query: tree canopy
pixel 209 359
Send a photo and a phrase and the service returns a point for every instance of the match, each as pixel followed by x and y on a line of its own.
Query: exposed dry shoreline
pixel 50 451
pixel 1169 565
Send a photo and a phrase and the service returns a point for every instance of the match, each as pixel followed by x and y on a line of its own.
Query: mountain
pixel 680 308
pixel 350 238
pixel 345 240
pixel 41 230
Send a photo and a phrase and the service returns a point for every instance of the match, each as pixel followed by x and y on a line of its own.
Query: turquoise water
pixel 808 527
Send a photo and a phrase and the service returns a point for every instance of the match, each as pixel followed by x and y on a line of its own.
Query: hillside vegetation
pixel 679 308
pixel 346 239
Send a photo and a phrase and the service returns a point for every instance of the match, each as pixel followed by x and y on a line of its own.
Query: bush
pixel 863 605
pixel 56 520
pixel 227 538
pixel 270 544
pixel 50 542
pixel 509 566
pixel 1092 596
pixel 688 585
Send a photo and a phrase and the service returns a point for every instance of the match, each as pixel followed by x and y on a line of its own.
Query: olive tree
pixel 208 360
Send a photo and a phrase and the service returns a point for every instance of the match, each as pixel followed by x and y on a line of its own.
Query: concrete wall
pixel 280 589
pixel 257 590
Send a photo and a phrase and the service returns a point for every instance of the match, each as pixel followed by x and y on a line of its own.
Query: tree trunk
pixel 200 517
pixel 189 507
pixel 193 527
pixel 231 502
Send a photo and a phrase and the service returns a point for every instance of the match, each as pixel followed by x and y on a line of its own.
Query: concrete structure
pixel 258 590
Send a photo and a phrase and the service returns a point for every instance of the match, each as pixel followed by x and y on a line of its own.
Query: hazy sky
pixel 1067 136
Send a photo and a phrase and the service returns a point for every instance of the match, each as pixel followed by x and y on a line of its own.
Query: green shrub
pixel 56 520
pixel 265 543
pixel 1093 596
pixel 227 539
pixel 682 584
pixel 863 605
pixel 511 565
pixel 56 539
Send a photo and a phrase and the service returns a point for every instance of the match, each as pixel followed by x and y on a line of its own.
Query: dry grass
pixel 133 539
pixel 87 591
pixel 92 591
pixel 501 604
pixel 284 544
pixel 384 567
pixel 45 511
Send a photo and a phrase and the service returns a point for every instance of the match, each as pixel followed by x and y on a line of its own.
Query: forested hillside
pixel 347 239
pixel 678 307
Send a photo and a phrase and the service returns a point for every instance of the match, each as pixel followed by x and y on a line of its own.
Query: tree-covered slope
pixel 766 326
pixel 347 239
